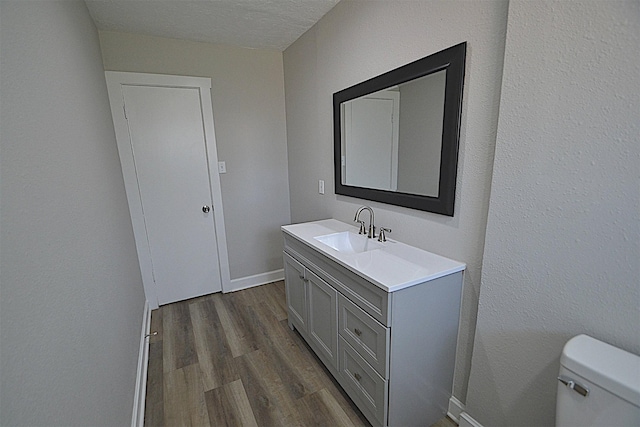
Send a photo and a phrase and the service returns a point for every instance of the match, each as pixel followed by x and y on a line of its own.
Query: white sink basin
pixel 349 242
pixel 391 265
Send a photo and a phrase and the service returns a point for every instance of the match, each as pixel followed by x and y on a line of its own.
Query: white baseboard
pixel 467 420
pixel 137 417
pixel 455 409
pixel 256 280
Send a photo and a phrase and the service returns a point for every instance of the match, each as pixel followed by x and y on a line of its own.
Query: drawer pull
pixel 357 376
pixel 357 331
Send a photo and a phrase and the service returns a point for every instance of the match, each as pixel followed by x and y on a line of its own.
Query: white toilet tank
pixel 598 385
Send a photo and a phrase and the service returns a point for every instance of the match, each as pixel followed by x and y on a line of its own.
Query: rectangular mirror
pixel 396 135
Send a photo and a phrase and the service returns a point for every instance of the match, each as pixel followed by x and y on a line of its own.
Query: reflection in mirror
pixel 393 137
pixel 396 135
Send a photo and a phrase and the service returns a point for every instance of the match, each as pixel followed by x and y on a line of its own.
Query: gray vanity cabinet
pixel 296 292
pixel 323 318
pixel 312 306
pixel 393 352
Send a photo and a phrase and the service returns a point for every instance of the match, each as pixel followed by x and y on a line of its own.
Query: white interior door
pixel 372 141
pixel 170 183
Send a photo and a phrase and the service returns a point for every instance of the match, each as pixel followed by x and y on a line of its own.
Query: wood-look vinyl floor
pixel 231 360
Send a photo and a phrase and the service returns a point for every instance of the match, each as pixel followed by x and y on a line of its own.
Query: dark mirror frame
pixel 451 59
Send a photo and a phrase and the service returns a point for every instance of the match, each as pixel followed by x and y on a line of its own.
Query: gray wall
pixel 248 110
pixel 358 40
pixel 563 236
pixel 72 298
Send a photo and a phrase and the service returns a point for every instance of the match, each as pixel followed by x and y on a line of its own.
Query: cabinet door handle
pixel 357 376
pixel 357 331
pixel 302 277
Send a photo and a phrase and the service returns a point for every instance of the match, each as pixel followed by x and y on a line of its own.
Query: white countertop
pixel 392 267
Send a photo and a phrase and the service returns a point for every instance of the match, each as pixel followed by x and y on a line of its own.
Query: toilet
pixel 598 385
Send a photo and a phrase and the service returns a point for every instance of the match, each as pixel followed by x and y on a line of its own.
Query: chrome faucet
pixel 372 227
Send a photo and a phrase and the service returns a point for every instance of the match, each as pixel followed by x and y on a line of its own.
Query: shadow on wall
pixel 466 330
pixel 536 383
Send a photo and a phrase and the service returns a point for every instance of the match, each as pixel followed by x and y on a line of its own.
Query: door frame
pixel 115 81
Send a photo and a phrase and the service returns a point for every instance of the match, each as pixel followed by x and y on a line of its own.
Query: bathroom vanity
pixel 382 317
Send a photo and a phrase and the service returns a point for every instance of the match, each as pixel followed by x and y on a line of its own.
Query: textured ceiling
pixel 261 24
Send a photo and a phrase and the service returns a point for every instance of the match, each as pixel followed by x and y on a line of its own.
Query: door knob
pixel 206 209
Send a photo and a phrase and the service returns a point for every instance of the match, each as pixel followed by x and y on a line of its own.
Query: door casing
pixel 115 81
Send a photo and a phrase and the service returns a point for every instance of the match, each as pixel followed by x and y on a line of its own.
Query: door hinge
pixel 124 109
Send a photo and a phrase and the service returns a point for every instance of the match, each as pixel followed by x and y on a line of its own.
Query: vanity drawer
pixel 366 335
pixel 363 384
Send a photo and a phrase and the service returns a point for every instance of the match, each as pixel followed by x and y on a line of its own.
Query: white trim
pixel 216 189
pixel 115 81
pixel 137 417
pixel 455 409
pixel 255 280
pixel 467 420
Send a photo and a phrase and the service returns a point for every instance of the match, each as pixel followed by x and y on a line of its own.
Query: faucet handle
pixel 363 229
pixel 382 237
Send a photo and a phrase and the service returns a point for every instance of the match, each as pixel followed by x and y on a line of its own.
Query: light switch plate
pixel 321 186
pixel 222 167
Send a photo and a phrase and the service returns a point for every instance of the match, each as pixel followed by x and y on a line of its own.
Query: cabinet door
pixel 294 280
pixel 323 318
